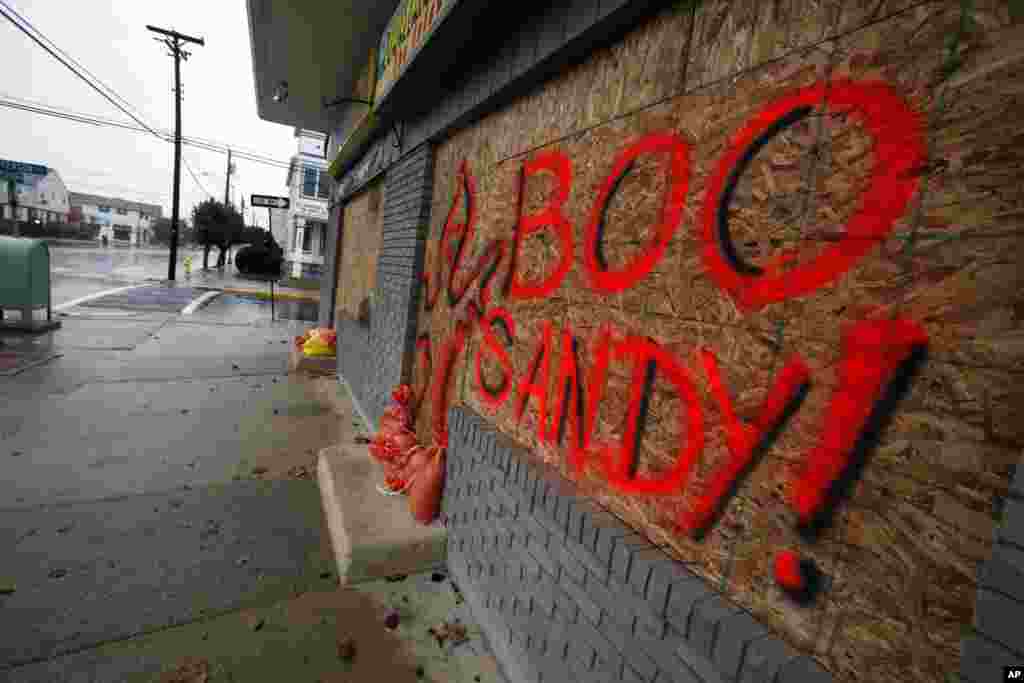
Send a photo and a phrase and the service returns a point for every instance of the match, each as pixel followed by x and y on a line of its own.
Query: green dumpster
pixel 25 284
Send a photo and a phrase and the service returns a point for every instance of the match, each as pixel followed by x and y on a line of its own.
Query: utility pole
pixel 174 41
pixel 227 182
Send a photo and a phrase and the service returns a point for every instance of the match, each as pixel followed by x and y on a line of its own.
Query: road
pixel 81 270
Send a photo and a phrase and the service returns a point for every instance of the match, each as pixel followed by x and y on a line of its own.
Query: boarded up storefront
pixel 738 214
pixel 357 257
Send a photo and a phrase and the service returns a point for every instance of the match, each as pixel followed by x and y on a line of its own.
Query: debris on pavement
pixel 58 573
pixel 191 670
pixel 299 472
pixel 346 648
pixel 64 529
pixel 448 631
pixel 15 454
pixel 7 588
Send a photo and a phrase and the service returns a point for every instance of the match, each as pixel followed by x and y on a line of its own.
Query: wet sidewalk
pixel 159 513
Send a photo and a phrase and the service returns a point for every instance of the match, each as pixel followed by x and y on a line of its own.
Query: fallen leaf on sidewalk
pixel 346 648
pixel 299 472
pixel 191 670
pixel 454 632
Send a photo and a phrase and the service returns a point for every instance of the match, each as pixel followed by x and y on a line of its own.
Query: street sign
pixel 269 201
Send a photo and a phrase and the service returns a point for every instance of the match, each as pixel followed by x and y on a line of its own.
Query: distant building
pixel 121 221
pixel 306 224
pixel 41 194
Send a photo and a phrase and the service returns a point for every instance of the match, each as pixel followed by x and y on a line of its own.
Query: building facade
pixel 309 187
pixel 41 196
pixel 122 222
pixel 717 306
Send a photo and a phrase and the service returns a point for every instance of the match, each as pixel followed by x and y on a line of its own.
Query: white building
pixel 279 222
pixel 122 222
pixel 41 194
pixel 309 187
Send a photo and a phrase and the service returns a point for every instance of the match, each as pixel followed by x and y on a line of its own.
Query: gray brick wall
pixel 564 591
pixel 997 640
pixel 373 359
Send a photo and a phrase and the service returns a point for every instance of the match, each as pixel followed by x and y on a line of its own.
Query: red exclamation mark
pixel 878 359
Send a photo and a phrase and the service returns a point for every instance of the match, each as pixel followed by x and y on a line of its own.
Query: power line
pixel 70 58
pixel 193 174
pixel 7 9
pixel 90 119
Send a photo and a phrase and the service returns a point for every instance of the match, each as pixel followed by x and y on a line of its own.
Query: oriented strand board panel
pixel 360 245
pixel 861 158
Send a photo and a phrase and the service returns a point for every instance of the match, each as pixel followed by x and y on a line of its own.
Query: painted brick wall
pixel 374 359
pixel 565 591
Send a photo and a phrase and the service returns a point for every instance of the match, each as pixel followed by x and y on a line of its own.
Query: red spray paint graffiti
pixel 874 352
pixel 601 278
pixel 898 151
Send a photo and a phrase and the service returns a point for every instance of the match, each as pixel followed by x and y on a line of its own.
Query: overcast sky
pixel 110 39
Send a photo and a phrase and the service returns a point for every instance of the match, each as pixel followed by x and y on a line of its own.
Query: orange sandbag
pixel 427 487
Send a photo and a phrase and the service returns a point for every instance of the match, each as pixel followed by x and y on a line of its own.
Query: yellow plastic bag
pixel 317 347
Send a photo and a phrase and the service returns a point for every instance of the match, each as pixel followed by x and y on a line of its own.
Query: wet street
pixel 78 271
pixel 81 270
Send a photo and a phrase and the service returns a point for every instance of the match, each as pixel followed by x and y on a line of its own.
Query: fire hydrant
pixel 188 266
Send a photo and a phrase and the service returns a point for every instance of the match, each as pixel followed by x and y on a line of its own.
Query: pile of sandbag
pixel 319 341
pixel 314 353
pixel 409 468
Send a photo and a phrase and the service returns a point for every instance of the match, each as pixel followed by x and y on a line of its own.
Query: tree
pixel 162 231
pixel 262 256
pixel 216 225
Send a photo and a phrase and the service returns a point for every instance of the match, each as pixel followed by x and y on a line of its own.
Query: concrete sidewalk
pixel 159 511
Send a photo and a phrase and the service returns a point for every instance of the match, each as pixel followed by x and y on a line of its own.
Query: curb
pixel 266 295
pixel 97 295
pixel 200 301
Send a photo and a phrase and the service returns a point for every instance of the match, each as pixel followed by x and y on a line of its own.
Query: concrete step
pixel 373 535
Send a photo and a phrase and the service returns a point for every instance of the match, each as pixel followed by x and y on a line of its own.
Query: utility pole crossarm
pixel 177 36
